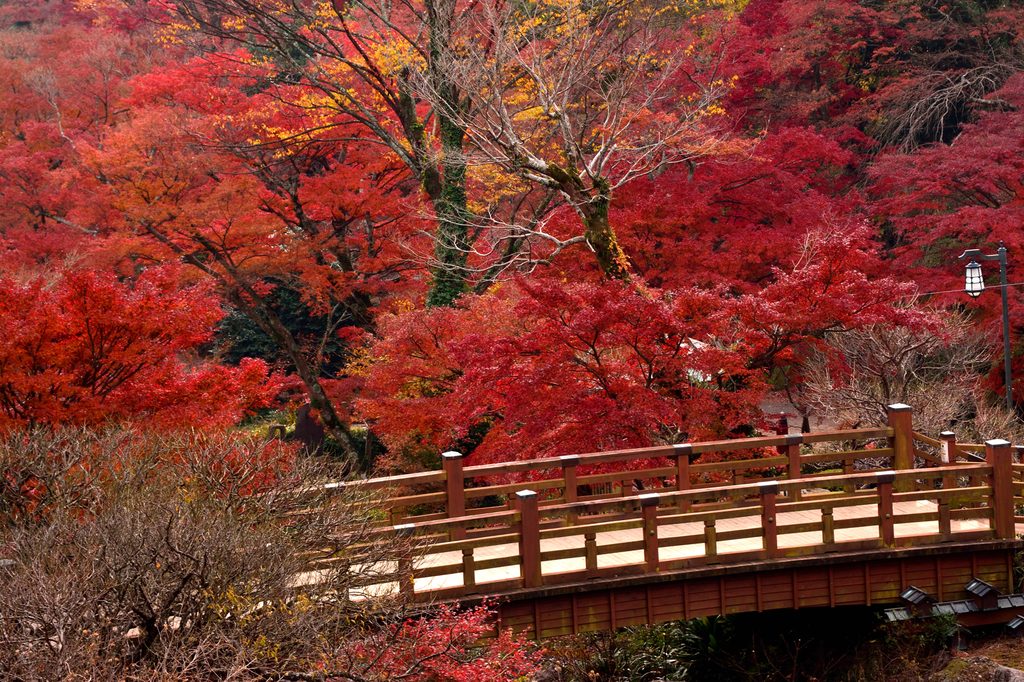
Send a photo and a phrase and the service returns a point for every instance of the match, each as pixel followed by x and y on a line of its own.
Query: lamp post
pixel 975 284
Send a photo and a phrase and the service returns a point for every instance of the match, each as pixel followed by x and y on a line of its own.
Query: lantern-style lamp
pixel 975 284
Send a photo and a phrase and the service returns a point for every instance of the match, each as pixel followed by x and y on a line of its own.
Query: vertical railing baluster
pixel 569 463
pixel 590 549
pixel 886 522
pixel 649 509
pixel 406 581
pixel 945 520
pixel 682 453
pixel 793 443
pixel 468 567
pixel 828 526
pixel 529 538
pixel 710 539
pixel 769 524
pixel 455 484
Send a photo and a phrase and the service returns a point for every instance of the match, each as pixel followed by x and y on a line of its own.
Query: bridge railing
pixel 696 513
pixel 458 490
pixel 649 533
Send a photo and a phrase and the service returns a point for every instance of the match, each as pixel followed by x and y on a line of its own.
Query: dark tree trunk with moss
pixel 451 243
pixel 601 237
pixel 272 325
pixel 453 218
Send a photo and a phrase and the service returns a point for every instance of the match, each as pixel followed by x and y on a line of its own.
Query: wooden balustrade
pixel 659 526
pixel 458 490
pixel 569 518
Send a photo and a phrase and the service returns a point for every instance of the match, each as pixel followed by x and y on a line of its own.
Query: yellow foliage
pixel 232 23
pixel 174 33
pixel 392 56
pixel 361 362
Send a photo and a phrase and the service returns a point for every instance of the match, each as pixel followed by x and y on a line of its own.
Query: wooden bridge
pixel 599 541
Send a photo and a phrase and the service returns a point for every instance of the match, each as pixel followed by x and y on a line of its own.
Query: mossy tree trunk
pixel 451 241
pixel 600 235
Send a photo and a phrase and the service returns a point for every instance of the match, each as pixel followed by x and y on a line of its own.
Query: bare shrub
pixel 135 556
pixel 938 372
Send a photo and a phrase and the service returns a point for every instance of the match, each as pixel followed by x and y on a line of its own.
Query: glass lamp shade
pixel 974 284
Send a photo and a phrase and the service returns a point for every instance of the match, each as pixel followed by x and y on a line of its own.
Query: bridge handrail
pixel 680 491
pixel 988 495
pixel 592 458
pixel 741 491
pixel 436 495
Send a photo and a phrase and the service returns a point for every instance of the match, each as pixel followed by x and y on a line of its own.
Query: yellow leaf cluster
pixel 392 56
pixel 173 33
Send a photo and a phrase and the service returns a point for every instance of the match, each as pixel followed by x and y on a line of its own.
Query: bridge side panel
pixel 740 594
pixel 886 582
pixel 865 582
pixel 812 589
pixel 849 586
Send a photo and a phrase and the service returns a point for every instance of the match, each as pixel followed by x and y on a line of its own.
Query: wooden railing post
pixel 682 453
pixel 590 552
pixel 569 463
pixel 456 494
pixel 793 443
pixel 997 454
pixel 947 452
pixel 710 539
pixel 886 523
pixel 529 538
pixel 649 509
pixel 947 455
pixel 770 531
pixel 901 419
pixel 828 526
pixel 406 582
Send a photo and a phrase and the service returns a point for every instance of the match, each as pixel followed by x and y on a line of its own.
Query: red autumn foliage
pixel 86 348
pixel 546 367
pixel 120 154
pixel 446 645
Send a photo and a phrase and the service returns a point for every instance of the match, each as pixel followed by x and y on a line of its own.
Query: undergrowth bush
pixel 840 645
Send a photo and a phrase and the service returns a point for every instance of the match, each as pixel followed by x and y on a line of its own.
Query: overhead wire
pixel 961 290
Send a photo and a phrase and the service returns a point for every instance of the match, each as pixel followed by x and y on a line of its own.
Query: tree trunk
pixel 318 400
pixel 602 239
pixel 451 243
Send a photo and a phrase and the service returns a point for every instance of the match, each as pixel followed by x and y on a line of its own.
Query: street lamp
pixel 975 284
